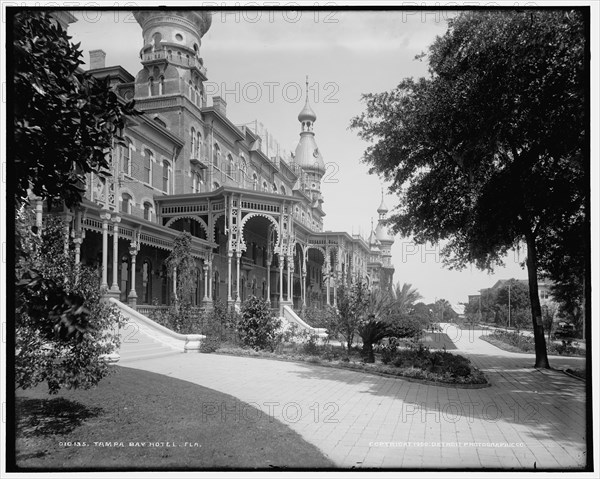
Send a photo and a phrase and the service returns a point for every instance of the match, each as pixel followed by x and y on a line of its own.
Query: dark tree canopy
pixel 65 121
pixel 489 150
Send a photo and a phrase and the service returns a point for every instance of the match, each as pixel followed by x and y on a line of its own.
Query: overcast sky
pixel 258 61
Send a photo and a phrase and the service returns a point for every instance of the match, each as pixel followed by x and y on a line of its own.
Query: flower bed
pixel 438 367
pixel 519 343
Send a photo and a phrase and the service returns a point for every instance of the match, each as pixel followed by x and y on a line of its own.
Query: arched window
pixel 265 186
pixel 229 165
pixel 197 182
pixel 150 85
pixel 189 88
pixel 243 168
pixel 274 188
pixel 166 176
pixel 282 190
pixel 216 185
pixel 193 93
pixel 255 181
pixel 127 156
pixel 149 158
pixel 126 201
pixel 199 145
pixel 156 38
pixel 161 85
pixel 216 155
pixel 197 96
pixel 193 142
pixel 147 211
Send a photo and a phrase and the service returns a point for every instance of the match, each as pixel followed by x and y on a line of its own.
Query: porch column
pixel 39 208
pixel 303 287
pixel 229 255
pixel 237 284
pixel 134 247
pixel 335 290
pixel 175 283
pixel 66 231
pixel 205 270
pixel 77 242
pixel 281 260
pixel 269 281
pixel 328 280
pixel 105 217
pixel 115 284
pixel 290 288
pixel 210 275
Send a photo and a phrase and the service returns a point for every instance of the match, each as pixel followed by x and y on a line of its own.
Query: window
pixel 150 85
pixel 216 185
pixel 243 167
pixel 197 182
pixel 274 188
pixel 282 190
pixel 126 203
pixel 229 165
pixel 197 96
pixel 166 176
pixel 127 156
pixel 193 143
pixel 191 88
pixel 147 211
pixel 255 180
pixel 265 186
pixel 161 85
pixel 216 155
pixel 149 158
pixel 198 145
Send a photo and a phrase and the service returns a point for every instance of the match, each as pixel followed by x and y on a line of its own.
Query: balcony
pixel 175 59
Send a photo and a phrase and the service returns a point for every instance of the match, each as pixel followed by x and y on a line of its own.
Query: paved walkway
pixel 527 419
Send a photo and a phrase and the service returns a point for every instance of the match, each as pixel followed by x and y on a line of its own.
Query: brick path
pixel 362 420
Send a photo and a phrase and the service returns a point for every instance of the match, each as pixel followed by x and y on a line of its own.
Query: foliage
pixel 181 264
pixel 525 343
pixel 352 302
pixel 488 151
pixel 184 319
pixel 257 327
pixel 63 327
pixel 65 120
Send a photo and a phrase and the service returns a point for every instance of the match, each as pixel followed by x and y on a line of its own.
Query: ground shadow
pixel 56 416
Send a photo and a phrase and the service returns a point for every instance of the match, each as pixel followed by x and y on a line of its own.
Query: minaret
pixel 171 53
pixel 386 240
pixel 307 155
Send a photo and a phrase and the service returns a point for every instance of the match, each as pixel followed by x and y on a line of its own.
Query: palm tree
pixel 405 298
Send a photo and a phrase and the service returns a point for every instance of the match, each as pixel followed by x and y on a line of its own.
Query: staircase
pixel 142 338
pixel 290 316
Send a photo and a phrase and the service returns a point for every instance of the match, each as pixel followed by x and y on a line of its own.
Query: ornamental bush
pixel 63 327
pixel 257 327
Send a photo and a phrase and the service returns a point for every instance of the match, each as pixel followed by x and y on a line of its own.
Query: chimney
pixel 97 59
pixel 220 105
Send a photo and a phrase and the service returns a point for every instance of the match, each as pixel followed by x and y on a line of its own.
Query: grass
pixel 196 428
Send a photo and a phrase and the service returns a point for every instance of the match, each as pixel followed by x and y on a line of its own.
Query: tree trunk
pixel 367 352
pixel 541 355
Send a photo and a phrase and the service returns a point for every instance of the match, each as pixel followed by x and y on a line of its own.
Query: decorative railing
pixel 176 59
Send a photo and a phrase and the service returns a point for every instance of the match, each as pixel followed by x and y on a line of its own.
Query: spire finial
pixel 371 223
pixel 306 86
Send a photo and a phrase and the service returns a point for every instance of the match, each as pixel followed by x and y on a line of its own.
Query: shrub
pixel 63 326
pixel 257 327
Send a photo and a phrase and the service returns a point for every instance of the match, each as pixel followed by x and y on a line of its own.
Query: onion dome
pixel 307 154
pixel 383 234
pixel 307 113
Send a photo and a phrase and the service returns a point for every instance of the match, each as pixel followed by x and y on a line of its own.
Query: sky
pixel 258 62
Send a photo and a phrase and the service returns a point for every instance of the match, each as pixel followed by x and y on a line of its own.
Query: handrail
pixel 191 341
pixel 290 314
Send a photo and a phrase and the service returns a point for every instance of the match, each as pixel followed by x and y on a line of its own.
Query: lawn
pixel 140 420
